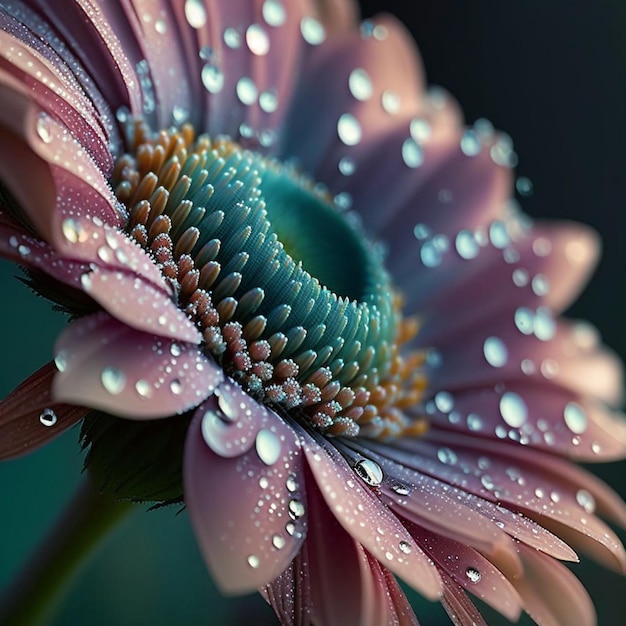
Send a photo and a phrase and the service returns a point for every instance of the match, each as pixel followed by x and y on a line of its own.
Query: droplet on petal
pixel 113 380
pixel 360 84
pixel 296 509
pixel 473 575
pixel 586 500
pixel 349 129
pixel 48 417
pixel 195 13
pixel 312 31
pixel 513 409
pixel 369 471
pixel 575 418
pixel 257 40
pixel 274 12
pixel 495 351
pixel 267 446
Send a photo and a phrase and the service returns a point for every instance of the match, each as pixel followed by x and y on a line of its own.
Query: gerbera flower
pixel 303 304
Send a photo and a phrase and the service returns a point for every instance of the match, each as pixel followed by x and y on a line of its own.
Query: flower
pixel 291 266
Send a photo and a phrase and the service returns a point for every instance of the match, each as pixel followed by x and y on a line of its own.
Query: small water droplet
pixel 401 490
pixel 48 417
pixel 160 26
pixel 247 91
pixel 513 409
pixel 412 153
pixel 369 471
pixel 312 31
pixel 498 235
pixel 232 38
pixel 470 143
pixel 274 12
pixel 466 244
pixel 349 129
pixel 268 101
pixel 474 422
pixel 278 541
pixel 60 360
pixel 347 166
pixel 473 575
pixel 540 285
pixel 267 446
pixel 575 418
pixel 290 527
pixel 495 352
pixel 405 547
pixel 43 128
pixel 524 186
pixel 444 401
pixel 391 102
pixel 176 387
pixel 143 388
pixel 175 350
pixel 212 78
pixel 296 509
pixel 264 483
pixel 113 380
pixel 291 483
pixel 446 456
pixel 360 84
pixel 195 13
pixel 586 500
pixel 71 230
pixel 254 561
pixel 257 40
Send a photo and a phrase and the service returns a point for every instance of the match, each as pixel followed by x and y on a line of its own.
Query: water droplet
pixel 312 31
pixel 278 541
pixel 254 561
pixel 71 230
pixel 267 446
pixel 544 325
pixel 391 102
pixel 586 500
pixel 349 129
pixel 430 254
pixel 257 40
pixel 520 277
pixel 274 12
pixel 466 244
pixel 444 401
pixel 43 128
pixel 401 490
pixel 513 409
pixel 113 380
pixel 524 186
pixel 412 153
pixel 195 13
pixel 495 352
pixel 291 483
pixel 525 320
pixel 420 129
pixel 470 143
pixel 246 90
pixel 360 84
pixel 540 285
pixel 369 471
pixel 405 546
pixel 446 456
pixel 296 509
pixel 176 387
pixel 48 417
pixel 498 235
pixel 212 78
pixel 487 482
pixel 143 388
pixel 473 575
pixel 268 101
pixel 232 38
pixel 474 422
pixel 290 527
pixel 160 26
pixel 421 231
pixel 60 360
pixel 575 418
pixel 347 166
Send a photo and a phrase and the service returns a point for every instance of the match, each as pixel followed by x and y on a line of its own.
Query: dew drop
pixel 495 352
pixel 312 31
pixel 473 575
pixel 575 418
pixel 444 401
pixel 524 186
pixel 446 456
pixel 267 446
pixel 498 235
pixel 412 153
pixel 466 244
pixel 296 510
pixel 71 230
pixel 349 129
pixel 160 26
pixel 274 12
pixel 405 546
pixel 232 38
pixel 246 90
pixel 176 387
pixel 474 422
pixel 470 143
pixel 391 102
pixel 113 380
pixel 254 561
pixel 369 471
pixel 268 101
pixel 143 388
pixel 290 528
pixel 401 490
pixel 513 409
pixel 212 78
pixel 347 166
pixel 586 500
pixel 420 129
pixel 278 541
pixel 195 13
pixel 43 128
pixel 226 405
pixel 48 417
pixel 540 285
pixel 360 84
pixel 257 40
pixel 291 483
pixel 60 360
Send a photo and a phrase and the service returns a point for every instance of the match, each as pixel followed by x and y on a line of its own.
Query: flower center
pixel 292 300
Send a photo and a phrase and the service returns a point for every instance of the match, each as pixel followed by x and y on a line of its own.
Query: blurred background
pixel 552 75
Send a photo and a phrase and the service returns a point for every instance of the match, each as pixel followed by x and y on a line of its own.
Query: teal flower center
pixel 292 299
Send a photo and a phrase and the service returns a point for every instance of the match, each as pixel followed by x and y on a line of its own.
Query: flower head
pixel 303 303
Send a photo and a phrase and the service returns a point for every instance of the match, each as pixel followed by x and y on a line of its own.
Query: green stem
pixel 42 585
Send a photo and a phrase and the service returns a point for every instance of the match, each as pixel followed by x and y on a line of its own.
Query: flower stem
pixel 41 586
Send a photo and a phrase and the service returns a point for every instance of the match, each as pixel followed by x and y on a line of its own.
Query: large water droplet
pixel 369 471
pixel 513 409
pixel 495 352
pixel 575 418
pixel 473 575
pixel 267 446
pixel 48 417
pixel 113 380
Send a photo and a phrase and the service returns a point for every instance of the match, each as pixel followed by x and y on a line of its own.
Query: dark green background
pixel 552 73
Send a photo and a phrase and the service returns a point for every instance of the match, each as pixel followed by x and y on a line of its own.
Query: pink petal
pixel 140 305
pixel 107 365
pixel 368 521
pixel 552 595
pixel 471 570
pixel 391 64
pixel 458 606
pixel 543 417
pixel 249 511
pixel 30 417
